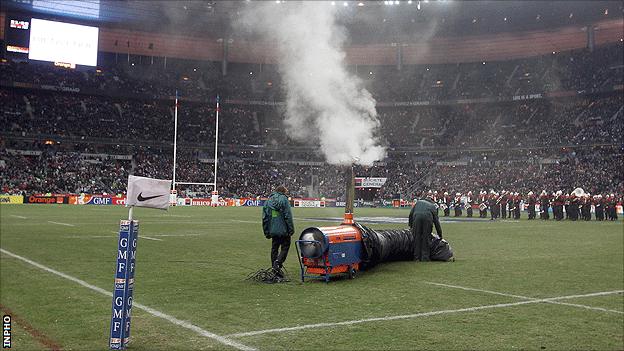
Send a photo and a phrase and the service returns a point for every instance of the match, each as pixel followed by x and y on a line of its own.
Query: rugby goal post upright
pixel 215 193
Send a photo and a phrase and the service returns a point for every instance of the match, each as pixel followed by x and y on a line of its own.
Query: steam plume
pixel 324 102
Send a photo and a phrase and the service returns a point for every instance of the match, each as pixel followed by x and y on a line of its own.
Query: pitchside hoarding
pixel 124 285
pixel 45 199
pixel 369 182
pixel 11 199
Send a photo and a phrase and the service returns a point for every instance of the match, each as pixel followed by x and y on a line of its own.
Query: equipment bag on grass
pixel 440 249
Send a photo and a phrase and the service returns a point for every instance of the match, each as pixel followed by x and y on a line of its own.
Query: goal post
pixel 213 184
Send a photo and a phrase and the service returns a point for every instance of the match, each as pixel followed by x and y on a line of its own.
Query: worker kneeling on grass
pixel 277 224
pixel 422 218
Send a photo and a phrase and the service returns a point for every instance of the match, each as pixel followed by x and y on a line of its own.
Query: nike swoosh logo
pixel 141 198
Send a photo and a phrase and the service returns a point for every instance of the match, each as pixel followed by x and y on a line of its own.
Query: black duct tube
pixel 385 245
pixel 397 245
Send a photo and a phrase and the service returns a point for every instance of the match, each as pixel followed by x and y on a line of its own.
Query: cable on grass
pixel 269 276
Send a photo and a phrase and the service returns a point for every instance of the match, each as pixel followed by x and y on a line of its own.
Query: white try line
pixel 166 216
pixel 88 237
pixel 222 339
pixel 166 235
pixel 242 221
pixel 149 238
pixel 20 217
pixel 525 297
pixel 61 223
pixel 417 315
pixel 163 235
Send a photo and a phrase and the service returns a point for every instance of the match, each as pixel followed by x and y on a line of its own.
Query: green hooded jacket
pixel 277 217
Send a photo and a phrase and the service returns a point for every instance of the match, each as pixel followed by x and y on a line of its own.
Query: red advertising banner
pixel 43 199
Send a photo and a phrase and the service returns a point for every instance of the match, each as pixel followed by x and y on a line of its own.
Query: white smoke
pixel 325 103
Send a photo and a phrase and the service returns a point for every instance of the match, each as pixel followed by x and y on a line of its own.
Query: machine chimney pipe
pixel 350 194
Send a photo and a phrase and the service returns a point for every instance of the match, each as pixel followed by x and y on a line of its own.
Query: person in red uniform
pixel 531 201
pixel 558 205
pixel 483 199
pixel 544 205
pixel 469 202
pixel 599 207
pixel 502 203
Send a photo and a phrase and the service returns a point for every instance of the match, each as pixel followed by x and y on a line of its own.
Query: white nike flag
pixel 148 192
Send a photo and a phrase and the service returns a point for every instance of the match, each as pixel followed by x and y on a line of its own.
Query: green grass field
pixel 194 264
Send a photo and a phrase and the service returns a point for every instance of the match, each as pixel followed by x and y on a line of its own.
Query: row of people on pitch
pixel 507 204
pixel 578 205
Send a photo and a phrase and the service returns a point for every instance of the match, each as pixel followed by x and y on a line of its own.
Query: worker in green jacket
pixel 277 224
pixel 422 218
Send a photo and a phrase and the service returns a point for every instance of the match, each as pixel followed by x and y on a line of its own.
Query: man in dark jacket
pixel 422 218
pixel 277 224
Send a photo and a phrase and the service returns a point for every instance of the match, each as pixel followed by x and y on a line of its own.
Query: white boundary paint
pixel 150 238
pixel 20 217
pixel 61 223
pixel 222 339
pixel 525 297
pixel 417 315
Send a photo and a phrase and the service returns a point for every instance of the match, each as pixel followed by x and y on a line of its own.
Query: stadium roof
pixel 367 21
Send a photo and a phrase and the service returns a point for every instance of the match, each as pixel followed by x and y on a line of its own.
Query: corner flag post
pixel 175 138
pixel 215 192
pixel 216 144
pixel 142 192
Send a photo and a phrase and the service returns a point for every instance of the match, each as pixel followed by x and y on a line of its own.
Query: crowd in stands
pixel 526 145
pixel 597 170
pixel 534 123
pixel 579 70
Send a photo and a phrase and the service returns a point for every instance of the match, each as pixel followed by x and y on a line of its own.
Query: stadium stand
pixel 60 139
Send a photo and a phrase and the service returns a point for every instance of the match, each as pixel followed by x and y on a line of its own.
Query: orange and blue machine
pixel 328 251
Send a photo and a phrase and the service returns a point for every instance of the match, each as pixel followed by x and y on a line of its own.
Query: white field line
pixel 417 315
pixel 150 238
pixel 525 297
pixel 166 235
pixel 61 223
pixel 242 221
pixel 222 339
pixel 167 216
pixel 20 217
pixel 147 222
pixel 89 237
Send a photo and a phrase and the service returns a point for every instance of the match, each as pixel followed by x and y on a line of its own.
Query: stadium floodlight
pixel 345 4
pixel 360 4
pixel 333 3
